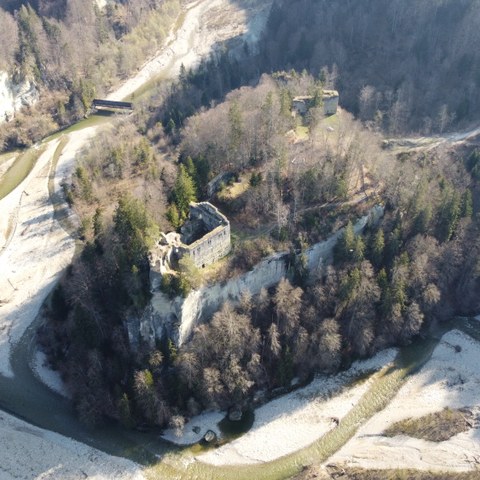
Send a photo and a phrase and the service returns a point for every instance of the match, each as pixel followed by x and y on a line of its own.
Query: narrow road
pixel 429 143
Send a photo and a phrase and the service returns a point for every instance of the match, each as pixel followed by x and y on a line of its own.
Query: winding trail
pixel 429 143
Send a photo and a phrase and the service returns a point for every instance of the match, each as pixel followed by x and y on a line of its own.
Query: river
pixel 24 396
pixel 29 399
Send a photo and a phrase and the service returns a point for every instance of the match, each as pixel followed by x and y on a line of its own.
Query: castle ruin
pixel 205 238
pixel 301 104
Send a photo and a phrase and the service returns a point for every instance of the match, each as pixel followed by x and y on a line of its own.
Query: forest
pixel 294 182
pixel 40 43
pixel 403 65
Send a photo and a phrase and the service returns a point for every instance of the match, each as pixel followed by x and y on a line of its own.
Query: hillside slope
pixel 403 64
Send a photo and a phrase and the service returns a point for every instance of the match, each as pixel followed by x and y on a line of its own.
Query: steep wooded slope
pixel 72 53
pixel 405 64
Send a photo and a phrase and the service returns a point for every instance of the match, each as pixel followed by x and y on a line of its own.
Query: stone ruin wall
pixel 205 238
pixel 215 244
pixel 211 247
pixel 330 102
pixel 301 104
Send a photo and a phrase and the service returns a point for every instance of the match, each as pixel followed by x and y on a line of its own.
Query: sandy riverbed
pixel 310 410
pixel 28 452
pixel 207 25
pixel 449 379
pixel 36 251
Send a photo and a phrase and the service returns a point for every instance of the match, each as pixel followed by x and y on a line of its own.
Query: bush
pixel 250 252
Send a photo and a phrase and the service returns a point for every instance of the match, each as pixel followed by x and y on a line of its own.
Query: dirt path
pixel 429 143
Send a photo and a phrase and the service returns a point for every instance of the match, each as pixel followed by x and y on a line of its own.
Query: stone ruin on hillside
pixel 205 238
pixel 301 104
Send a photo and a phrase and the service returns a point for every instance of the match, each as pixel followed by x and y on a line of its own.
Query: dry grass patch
pixel 7 156
pixel 435 427
pixel 340 472
pixel 404 474
pixel 302 132
pixel 235 189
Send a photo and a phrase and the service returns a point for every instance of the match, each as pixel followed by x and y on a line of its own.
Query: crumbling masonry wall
pixel 206 234
pixel 302 104
pixel 205 238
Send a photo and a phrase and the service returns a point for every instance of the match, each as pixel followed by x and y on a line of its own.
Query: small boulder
pixel 210 436
pixel 335 420
pixel 235 415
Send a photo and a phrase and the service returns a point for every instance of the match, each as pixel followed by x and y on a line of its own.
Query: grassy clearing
pixel 59 207
pixel 302 132
pixel 5 157
pixel 435 427
pixel 58 152
pixel 234 190
pixel 214 272
pixel 332 120
pixel 19 170
pixel 146 89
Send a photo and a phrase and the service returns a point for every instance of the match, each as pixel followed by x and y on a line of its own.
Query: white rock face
pixel 15 96
pixel 101 4
pixel 202 303
pixel 178 317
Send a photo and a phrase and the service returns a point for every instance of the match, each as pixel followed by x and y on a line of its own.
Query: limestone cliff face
pixel 178 317
pixel 321 253
pixel 14 96
pixel 205 301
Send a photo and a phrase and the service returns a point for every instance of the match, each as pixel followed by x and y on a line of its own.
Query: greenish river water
pixel 26 397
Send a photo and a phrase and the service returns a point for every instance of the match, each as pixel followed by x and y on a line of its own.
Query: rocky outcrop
pixel 178 317
pixel 14 96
